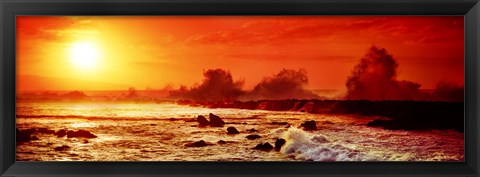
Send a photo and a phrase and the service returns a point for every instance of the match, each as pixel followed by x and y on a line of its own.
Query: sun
pixel 83 55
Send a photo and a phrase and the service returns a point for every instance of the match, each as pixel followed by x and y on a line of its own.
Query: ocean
pixel 147 131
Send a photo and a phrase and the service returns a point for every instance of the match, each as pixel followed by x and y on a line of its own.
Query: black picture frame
pixel 11 8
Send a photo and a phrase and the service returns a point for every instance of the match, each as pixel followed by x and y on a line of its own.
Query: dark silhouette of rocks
pixel 232 130
pixel 309 125
pixel 23 135
pixel 215 121
pixel 34 138
pixel 45 131
pixel 251 130
pixel 408 115
pixel 253 137
pixel 279 123
pixel 200 143
pixel 264 147
pixel 62 148
pixel 60 133
pixel 222 142
pixel 279 143
pixel 29 131
pixel 202 121
pixel 80 134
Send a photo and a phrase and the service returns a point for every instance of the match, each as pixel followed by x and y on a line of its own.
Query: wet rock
pixel 253 137
pixel 232 130
pixel 279 123
pixel 279 143
pixel 61 148
pixel 60 133
pixel 222 142
pixel 202 121
pixel 264 147
pixel 45 131
pixel 30 131
pixel 80 133
pixel 307 107
pixel 215 121
pixel 309 125
pixel 23 136
pixel 200 143
pixel 252 130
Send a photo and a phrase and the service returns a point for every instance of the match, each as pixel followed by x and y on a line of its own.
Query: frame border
pixel 470 9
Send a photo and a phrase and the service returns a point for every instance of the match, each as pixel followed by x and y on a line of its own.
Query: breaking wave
pixel 306 146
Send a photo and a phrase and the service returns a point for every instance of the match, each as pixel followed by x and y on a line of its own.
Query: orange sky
pixel 153 52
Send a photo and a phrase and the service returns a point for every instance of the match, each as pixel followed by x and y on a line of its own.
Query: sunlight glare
pixel 84 55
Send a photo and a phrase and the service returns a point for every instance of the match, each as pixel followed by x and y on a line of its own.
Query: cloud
pixel 53 27
pixel 282 30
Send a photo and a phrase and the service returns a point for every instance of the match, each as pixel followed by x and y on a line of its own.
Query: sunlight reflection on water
pixel 145 132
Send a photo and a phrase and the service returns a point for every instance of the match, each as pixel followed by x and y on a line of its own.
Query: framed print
pixel 256 88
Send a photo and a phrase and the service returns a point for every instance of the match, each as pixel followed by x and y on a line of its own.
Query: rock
pixel 30 131
pixel 45 131
pixel 202 121
pixel 252 130
pixel 85 142
pixel 61 133
pixel 200 143
pixel 221 142
pixel 215 121
pixel 279 143
pixel 264 147
pixel 232 130
pixel 309 125
pixel 253 137
pixel 34 138
pixel 80 133
pixel 71 134
pixel 279 123
pixel 62 148
pixel 23 136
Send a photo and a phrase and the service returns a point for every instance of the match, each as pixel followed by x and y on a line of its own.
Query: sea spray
pixel 316 147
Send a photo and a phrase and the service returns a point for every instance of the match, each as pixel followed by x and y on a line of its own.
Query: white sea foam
pixel 307 146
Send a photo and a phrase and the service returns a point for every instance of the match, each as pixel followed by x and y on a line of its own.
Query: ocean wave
pixel 317 147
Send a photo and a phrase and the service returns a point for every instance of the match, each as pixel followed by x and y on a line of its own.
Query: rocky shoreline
pixel 401 115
